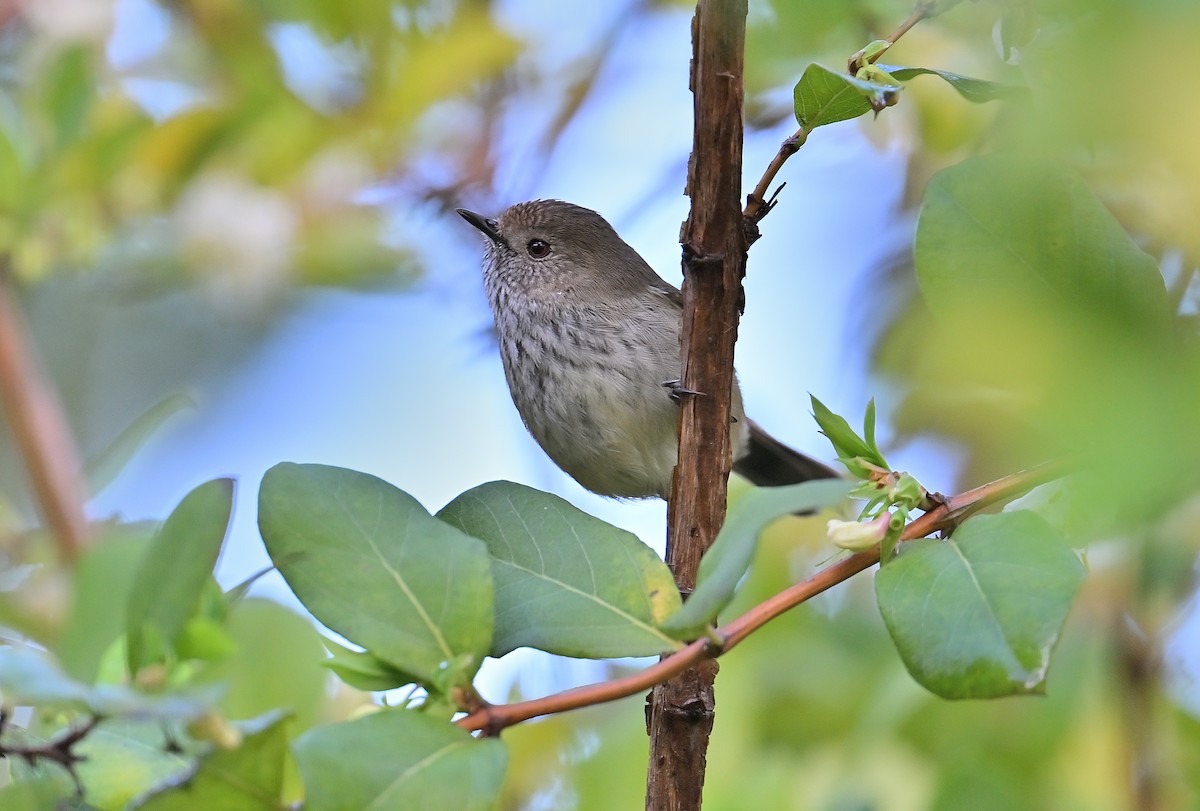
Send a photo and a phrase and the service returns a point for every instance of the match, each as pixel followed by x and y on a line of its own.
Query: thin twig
pixel 60 750
pixel 39 427
pixel 758 205
pixel 950 512
pixel 919 12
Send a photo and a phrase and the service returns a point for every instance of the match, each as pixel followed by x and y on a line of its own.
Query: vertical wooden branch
pixel 40 431
pixel 681 711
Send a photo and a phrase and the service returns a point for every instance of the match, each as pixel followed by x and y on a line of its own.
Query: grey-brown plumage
pixel 589 338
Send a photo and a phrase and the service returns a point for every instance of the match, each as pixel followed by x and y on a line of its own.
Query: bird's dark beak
pixel 488 227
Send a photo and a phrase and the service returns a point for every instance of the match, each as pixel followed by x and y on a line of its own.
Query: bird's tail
pixel 769 463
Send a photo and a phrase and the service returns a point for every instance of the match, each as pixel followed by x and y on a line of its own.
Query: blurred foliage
pixel 172 172
pixel 167 183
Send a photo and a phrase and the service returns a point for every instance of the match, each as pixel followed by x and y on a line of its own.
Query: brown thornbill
pixel 589 337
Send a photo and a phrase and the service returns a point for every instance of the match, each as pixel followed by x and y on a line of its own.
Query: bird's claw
pixel 677 392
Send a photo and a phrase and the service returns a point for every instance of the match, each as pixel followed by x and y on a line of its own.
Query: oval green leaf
pixel 248 778
pixel 398 760
pixel 824 96
pixel 371 564
pixel 177 567
pixel 1010 228
pixel 977 616
pixel 566 582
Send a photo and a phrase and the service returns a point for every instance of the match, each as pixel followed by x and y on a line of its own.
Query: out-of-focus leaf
pixel 729 557
pixel 34 598
pixel 370 563
pixel 177 568
pixel 12 180
pixel 473 43
pixel 348 251
pixel 788 29
pixel 69 92
pixel 204 638
pixel 176 149
pixel 1010 226
pixel 125 760
pixel 104 467
pixel 276 664
pixel 362 670
pixel 103 579
pixel 29 677
pixel 33 795
pixel 973 90
pixel 566 582
pixel 248 778
pixel 397 760
pixel 978 615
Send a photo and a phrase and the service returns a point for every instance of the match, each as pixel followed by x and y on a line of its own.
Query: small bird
pixel 589 338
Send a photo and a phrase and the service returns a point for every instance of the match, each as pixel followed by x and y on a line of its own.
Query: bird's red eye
pixel 538 249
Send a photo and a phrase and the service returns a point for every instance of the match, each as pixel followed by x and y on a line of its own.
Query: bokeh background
pixel 232 227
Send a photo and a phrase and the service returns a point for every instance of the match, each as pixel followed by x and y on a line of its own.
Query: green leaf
pixel 824 96
pixel 869 428
pixel 102 468
pixel 70 92
pixel 371 564
pixel 977 616
pixel 277 664
pixel 29 677
pixel 976 91
pixel 849 446
pixel 363 670
pixel 1005 227
pixel 399 760
pixel 239 592
pixel 33 795
pixel 730 555
pixel 104 577
pixel 177 568
pixel 205 639
pixel 125 760
pixel 566 582
pixel 248 778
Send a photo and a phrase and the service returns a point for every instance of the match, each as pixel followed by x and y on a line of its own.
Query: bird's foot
pixel 677 392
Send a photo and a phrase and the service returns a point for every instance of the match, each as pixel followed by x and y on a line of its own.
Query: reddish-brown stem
pixel 496 717
pixel 948 514
pixel 39 428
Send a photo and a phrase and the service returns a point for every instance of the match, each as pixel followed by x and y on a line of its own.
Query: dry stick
pixel 40 430
pixel 949 512
pixel 757 203
pixel 680 711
